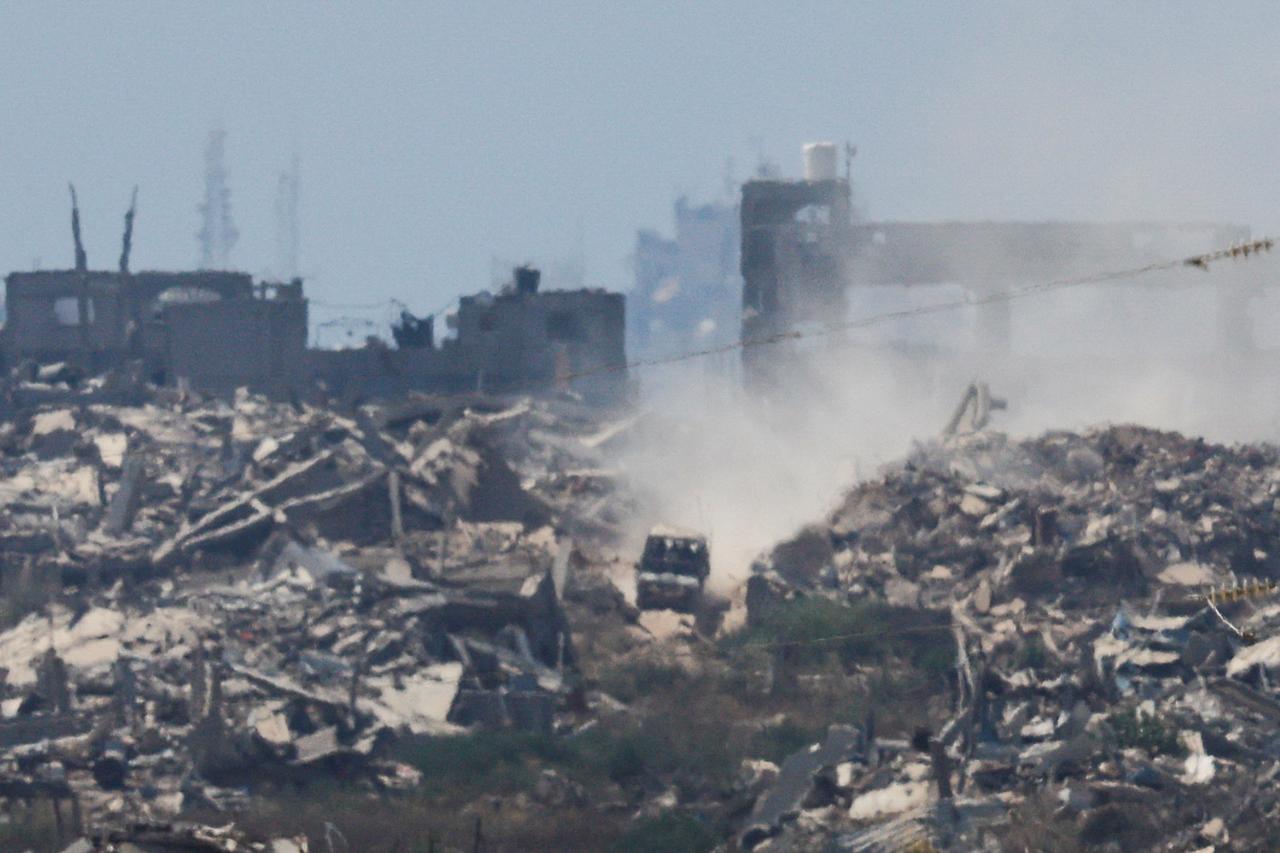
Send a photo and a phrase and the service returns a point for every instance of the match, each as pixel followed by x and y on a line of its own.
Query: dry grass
pixel 417 824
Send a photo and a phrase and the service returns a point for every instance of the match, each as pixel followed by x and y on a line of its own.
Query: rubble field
pixel 249 625
pixel 1111 602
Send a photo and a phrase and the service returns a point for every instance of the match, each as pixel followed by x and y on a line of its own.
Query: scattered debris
pixel 253 592
pixel 1113 595
pixel 210 599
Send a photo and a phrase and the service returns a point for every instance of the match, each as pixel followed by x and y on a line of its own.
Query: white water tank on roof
pixel 820 161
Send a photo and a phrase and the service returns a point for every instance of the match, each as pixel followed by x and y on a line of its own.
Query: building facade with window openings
pixel 518 339
pixel 100 318
pixel 217 331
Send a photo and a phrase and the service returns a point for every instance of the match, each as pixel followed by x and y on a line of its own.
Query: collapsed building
pixel 215 331
pixel 805 251
pixel 211 600
pixel 406 579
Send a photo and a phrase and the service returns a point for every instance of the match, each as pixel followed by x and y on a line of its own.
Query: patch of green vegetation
pixel 1145 732
pixel 813 631
pixel 775 743
pixel 630 755
pixel 634 680
pixel 672 832
pixel 621 752
pixel 693 742
pixel 499 761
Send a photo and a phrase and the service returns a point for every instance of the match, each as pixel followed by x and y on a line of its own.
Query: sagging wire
pixel 351 306
pixel 1235 251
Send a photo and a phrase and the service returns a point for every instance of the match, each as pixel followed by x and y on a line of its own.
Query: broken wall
pixel 512 342
pixel 63 314
pixel 97 318
pixel 795 250
pixel 217 347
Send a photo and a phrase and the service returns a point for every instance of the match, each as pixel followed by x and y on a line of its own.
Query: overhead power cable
pixel 1201 261
pixel 352 306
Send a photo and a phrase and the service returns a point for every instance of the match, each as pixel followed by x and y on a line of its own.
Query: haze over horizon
pixel 432 145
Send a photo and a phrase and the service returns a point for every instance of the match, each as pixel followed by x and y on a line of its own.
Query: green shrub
pixel 661 744
pixel 1149 733
pixel 673 832
pixel 632 754
pixel 812 631
pixel 483 760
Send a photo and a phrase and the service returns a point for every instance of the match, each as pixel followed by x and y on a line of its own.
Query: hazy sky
pixel 434 137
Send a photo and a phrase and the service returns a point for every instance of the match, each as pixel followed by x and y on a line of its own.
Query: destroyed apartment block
pixel 213 332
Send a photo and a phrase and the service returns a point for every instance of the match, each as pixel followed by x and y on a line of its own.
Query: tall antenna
pixel 287 222
pixel 82 261
pixel 217 232
pixel 127 243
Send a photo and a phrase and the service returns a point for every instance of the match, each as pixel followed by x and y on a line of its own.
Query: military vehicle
pixel 672 570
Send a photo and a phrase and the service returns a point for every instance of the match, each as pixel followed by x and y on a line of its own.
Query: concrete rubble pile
pixel 205 594
pixel 207 600
pixel 1113 602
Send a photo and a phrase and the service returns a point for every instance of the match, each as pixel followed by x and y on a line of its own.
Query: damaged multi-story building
pixel 805 251
pixel 521 338
pixel 687 287
pixel 210 328
pixel 796 242
pixel 215 331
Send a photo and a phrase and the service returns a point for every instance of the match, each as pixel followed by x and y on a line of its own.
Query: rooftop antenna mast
pixel 82 261
pixel 287 222
pixel 217 232
pixel 127 244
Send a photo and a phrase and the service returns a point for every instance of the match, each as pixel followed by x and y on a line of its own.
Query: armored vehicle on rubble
pixel 672 570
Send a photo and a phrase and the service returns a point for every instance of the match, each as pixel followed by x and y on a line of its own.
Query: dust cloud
pixel 749 470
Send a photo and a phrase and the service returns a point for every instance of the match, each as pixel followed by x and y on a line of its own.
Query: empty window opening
pixel 563 326
pixel 66 310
